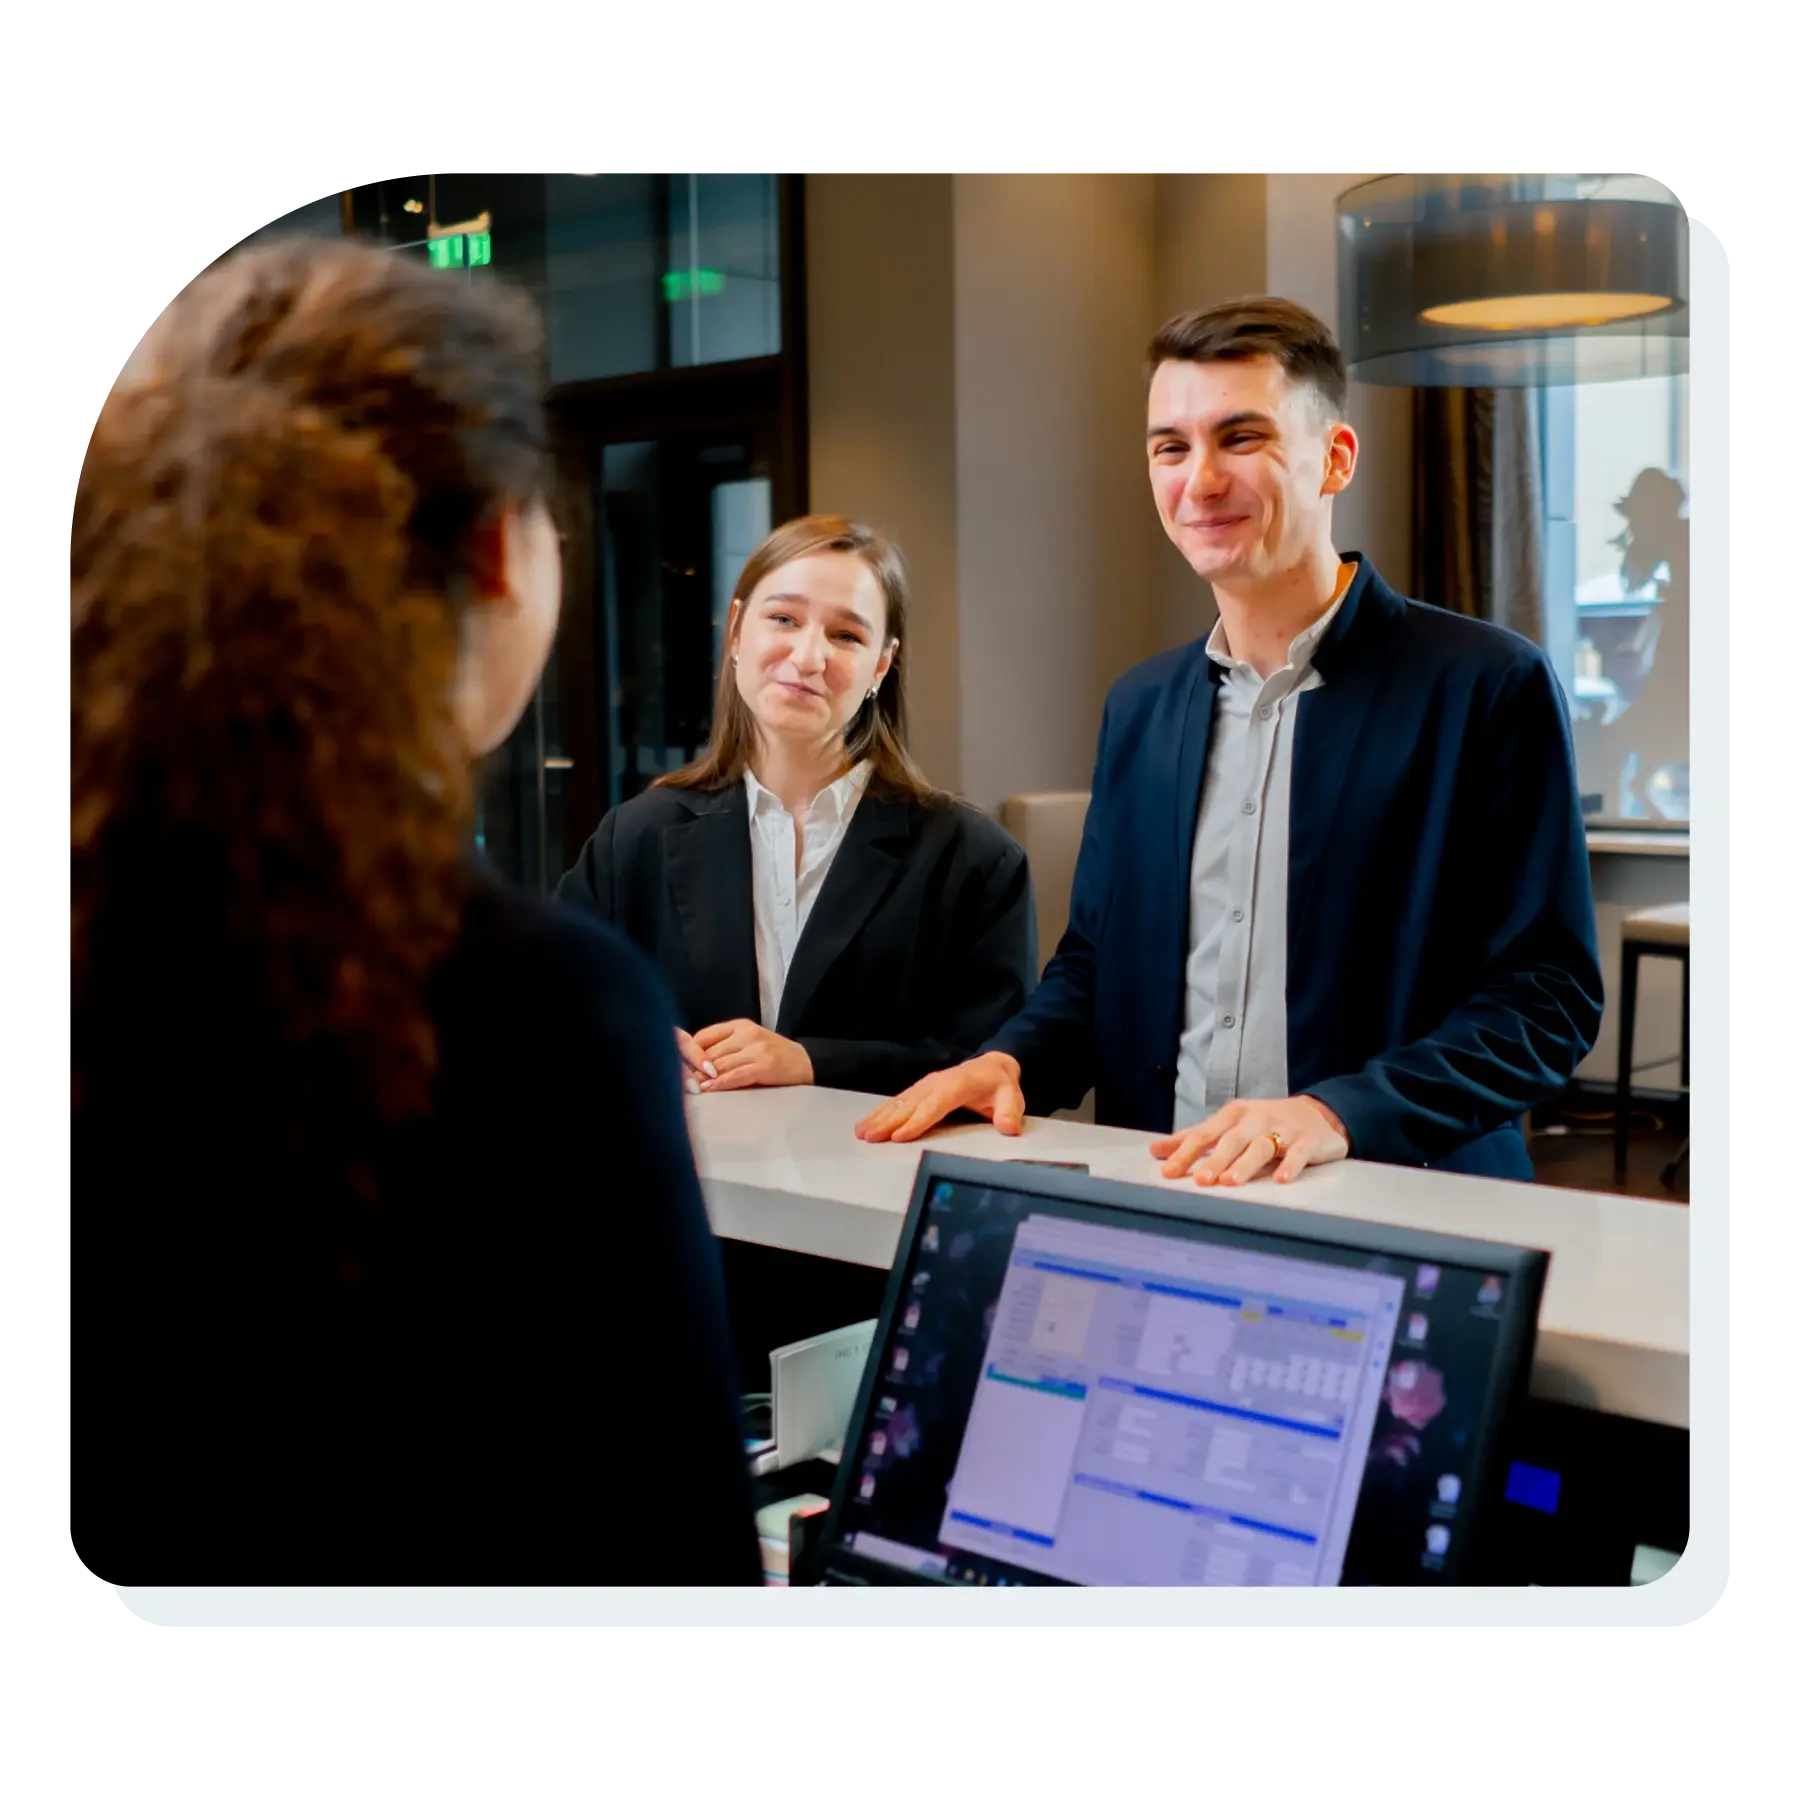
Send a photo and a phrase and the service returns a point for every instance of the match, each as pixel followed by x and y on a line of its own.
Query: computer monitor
pixel 1099 1383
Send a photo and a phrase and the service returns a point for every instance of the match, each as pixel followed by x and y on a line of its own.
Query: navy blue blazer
pixel 1442 969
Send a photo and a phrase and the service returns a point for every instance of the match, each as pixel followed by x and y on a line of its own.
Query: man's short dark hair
pixel 1265 325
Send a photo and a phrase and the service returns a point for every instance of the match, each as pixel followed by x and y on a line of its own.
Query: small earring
pixel 873 690
pixel 734 655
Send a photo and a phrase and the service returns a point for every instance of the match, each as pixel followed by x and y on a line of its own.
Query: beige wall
pixel 1055 285
pixel 882 380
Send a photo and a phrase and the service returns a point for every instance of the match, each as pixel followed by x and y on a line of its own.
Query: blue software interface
pixel 1157 1410
pixel 1065 1394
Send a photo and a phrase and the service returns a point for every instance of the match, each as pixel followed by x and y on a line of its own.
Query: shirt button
pixel 1229 1021
pixel 1237 915
pixel 1268 712
pixel 1249 806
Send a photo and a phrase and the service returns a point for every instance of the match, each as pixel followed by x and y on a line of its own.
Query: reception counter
pixel 782 1167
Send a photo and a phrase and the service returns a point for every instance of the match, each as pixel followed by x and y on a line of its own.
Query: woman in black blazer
pixel 822 913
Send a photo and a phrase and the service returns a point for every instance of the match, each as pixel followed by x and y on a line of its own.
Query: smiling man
pixel 1333 894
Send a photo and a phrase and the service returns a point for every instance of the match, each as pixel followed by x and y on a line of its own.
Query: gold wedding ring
pixel 1274 1138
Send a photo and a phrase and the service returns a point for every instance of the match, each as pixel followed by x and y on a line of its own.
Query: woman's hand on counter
pixel 693 1060
pixel 740 1054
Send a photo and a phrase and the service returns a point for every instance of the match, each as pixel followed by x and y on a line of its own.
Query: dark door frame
pixel 767 395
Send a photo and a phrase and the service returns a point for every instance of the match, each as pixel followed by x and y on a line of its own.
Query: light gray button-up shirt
pixel 1234 1029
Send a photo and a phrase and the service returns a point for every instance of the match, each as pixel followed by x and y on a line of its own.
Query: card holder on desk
pixel 814 1385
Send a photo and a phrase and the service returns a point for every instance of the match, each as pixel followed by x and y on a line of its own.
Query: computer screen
pixel 1070 1387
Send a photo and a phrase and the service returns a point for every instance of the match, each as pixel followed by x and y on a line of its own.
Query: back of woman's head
pixel 275 538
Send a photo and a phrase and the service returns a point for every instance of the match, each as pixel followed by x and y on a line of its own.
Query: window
pixel 1616 576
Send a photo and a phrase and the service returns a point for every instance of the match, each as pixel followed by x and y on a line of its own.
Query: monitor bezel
pixel 1526 1269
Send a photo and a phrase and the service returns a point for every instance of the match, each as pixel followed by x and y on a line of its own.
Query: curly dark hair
pixel 273 541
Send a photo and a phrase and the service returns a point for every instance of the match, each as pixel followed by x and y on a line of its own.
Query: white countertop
pixel 782 1167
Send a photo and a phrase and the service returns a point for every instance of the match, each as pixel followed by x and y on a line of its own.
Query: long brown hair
pixel 274 534
pixel 877 734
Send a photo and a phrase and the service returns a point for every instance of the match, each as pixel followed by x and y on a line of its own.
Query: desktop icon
pixel 931 1238
pixel 1415 1329
pixel 1437 1539
pixel 1490 1292
pixel 1449 1489
pixel 901 1359
pixel 887 1405
pixel 1425 1282
pixel 867 1490
pixel 911 1322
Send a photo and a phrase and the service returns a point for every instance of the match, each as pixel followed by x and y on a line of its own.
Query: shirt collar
pixel 833 802
pixel 1300 651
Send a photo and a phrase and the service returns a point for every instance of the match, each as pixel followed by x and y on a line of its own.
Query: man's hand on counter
pixel 988 1085
pixel 1238 1143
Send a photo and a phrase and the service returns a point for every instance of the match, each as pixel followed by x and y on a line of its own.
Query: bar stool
pixel 1650 931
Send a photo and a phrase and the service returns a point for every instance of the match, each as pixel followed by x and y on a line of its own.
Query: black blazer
pixel 533 1326
pixel 920 945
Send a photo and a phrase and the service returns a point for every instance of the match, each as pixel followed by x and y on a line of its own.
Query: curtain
pixel 1478 505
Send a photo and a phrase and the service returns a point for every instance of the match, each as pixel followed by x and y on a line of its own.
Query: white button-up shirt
pixel 1234 1030
pixel 783 886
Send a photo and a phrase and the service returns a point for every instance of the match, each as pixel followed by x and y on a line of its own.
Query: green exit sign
pixel 468 249
pixel 690 284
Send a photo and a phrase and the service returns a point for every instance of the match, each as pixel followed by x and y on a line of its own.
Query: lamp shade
pixel 1511 280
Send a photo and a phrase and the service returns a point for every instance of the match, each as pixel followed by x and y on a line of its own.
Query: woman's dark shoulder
pixel 569 971
pixel 957 827
pixel 655 809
